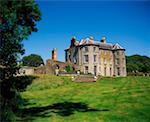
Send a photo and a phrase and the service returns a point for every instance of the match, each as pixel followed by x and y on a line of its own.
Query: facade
pixel 97 57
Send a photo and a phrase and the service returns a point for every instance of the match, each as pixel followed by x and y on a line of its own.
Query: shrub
pixel 69 68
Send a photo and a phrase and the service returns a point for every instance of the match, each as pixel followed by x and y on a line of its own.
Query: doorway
pixel 95 70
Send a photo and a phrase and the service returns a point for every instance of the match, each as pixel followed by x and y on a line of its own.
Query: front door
pixel 95 70
pixel 86 70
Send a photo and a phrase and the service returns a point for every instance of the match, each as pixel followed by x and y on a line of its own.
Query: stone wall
pixel 119 63
pixel 52 65
pixel 40 70
pixel 26 70
pixel 106 62
pixel 49 68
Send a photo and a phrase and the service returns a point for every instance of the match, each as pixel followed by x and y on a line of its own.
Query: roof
pixel 91 42
pixel 117 46
pixel 105 46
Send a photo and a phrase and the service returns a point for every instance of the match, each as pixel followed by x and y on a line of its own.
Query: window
pixel 57 66
pixel 110 61
pixel 110 71
pixel 69 57
pixel 74 60
pixel 86 49
pixel 94 58
pixel 104 71
pixel 104 60
pixel 86 69
pixel 123 60
pixel 117 53
pixel 86 58
pixel 117 61
pixel 118 71
pixel 94 49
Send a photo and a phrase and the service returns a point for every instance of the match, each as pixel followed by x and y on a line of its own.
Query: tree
pixel 17 21
pixel 137 63
pixel 32 60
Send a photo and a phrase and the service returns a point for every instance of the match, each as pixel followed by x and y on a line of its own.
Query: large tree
pixel 32 60
pixel 17 21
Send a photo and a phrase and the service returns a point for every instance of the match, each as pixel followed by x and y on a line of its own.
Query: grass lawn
pixel 58 99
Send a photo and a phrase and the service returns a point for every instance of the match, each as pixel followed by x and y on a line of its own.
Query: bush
pixel 69 68
pixel 138 74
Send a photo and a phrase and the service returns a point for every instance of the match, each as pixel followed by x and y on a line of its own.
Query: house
pixel 97 57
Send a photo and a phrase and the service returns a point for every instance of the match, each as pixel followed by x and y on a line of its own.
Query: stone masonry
pixel 97 57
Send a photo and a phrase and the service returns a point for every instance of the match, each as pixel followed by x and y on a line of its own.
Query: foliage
pixel 32 60
pixel 137 63
pixel 17 21
pixel 69 68
pixel 108 99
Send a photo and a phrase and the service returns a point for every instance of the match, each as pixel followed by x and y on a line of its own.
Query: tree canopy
pixel 17 21
pixel 138 63
pixel 33 60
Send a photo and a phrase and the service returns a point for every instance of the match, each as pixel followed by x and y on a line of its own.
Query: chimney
pixel 54 54
pixel 103 40
pixel 91 40
pixel 73 40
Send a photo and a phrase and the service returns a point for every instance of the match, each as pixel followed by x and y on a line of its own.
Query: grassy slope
pixel 58 99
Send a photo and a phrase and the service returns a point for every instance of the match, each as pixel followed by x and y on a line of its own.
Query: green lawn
pixel 58 99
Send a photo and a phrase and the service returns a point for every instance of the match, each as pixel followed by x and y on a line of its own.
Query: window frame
pixel 94 49
pixel 86 58
pixel 95 58
pixel 86 49
pixel 86 69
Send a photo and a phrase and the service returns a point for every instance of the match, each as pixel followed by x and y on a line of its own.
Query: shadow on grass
pixel 19 83
pixel 63 109
pixel 10 99
pixel 26 102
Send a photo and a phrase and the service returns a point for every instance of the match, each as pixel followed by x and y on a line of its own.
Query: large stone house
pixel 97 57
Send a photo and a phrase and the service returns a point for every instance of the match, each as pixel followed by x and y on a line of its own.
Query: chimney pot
pixel 103 40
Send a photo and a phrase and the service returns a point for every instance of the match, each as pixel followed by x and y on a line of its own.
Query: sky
pixel 126 23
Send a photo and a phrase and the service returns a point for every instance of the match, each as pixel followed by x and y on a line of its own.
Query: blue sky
pixel 126 23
